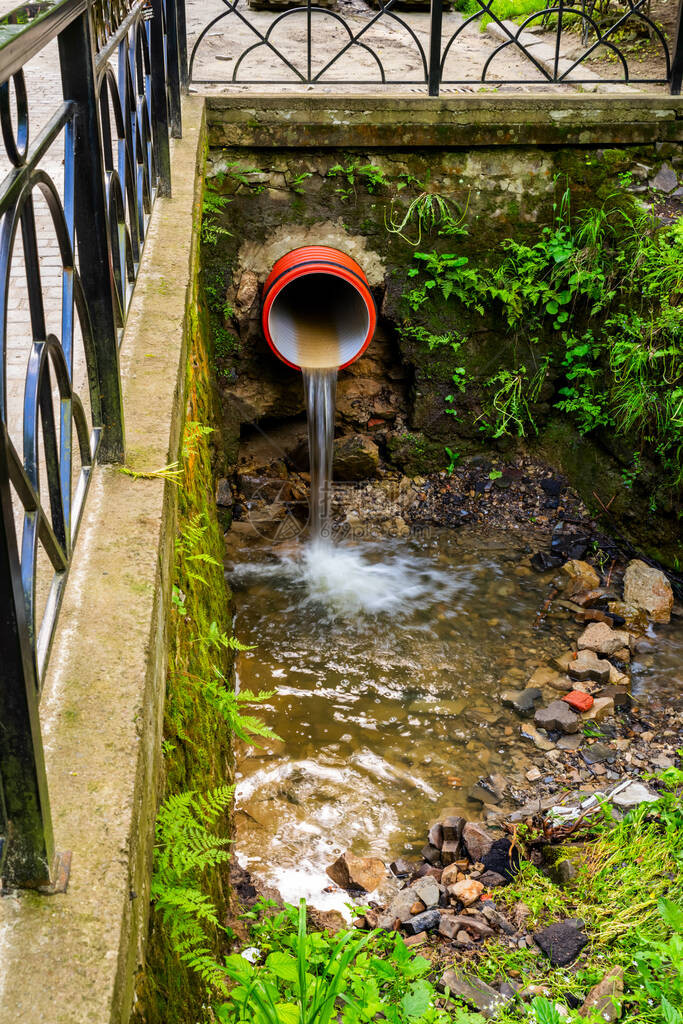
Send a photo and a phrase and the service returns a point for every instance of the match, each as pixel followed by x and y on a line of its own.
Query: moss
pixel 197 745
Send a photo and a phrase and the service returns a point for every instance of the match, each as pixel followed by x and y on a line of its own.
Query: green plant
pixel 355 173
pixel 298 180
pixel 314 978
pixel 185 848
pixel 452 459
pixel 213 204
pixel 428 212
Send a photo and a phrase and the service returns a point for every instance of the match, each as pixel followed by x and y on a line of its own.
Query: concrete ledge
pixel 71 959
pixel 372 122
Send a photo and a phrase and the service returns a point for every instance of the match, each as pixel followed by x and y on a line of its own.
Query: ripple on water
pixel 389 659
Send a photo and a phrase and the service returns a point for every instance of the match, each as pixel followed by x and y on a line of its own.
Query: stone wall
pixel 504 164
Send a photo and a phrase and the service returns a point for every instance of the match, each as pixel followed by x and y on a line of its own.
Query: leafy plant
pixel 314 978
pixel 213 205
pixel 428 212
pixel 355 173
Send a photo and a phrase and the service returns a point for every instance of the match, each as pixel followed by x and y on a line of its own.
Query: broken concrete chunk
pixel 558 716
pixel 587 665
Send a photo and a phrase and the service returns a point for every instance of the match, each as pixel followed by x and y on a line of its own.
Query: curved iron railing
pixel 120 71
pixel 329 36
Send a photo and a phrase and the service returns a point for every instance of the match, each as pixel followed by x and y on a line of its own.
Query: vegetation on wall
pixel 599 296
pixel 203 715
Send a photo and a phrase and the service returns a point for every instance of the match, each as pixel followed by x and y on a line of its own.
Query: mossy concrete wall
pixel 73 958
pixel 504 163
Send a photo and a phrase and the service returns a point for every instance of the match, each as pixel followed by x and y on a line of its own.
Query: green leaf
pixel 415 1002
pixel 283 966
pixel 671 1014
pixel 287 1013
pixel 672 914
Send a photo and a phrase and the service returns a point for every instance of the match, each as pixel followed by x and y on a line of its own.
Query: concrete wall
pixel 71 958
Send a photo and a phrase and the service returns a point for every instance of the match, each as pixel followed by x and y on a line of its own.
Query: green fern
pixel 185 848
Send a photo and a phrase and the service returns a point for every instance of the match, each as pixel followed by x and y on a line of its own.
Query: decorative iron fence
pixel 119 73
pixel 313 45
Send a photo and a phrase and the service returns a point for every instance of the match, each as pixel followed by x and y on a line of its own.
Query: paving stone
pixel 587 665
pixel 558 716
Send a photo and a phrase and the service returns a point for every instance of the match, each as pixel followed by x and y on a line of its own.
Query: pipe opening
pixel 318 321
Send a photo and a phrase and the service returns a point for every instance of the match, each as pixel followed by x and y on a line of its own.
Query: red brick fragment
pixel 579 700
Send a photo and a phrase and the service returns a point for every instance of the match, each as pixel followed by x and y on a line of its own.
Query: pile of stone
pixel 592 681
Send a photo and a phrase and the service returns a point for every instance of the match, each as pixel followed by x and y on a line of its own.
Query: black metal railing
pixel 312 45
pixel 119 68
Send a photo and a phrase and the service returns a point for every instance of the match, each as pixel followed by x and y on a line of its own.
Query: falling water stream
pixel 320 388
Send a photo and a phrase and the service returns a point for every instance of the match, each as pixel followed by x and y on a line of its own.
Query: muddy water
pixel 388 661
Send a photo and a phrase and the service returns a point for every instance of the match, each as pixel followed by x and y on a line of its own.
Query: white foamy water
pixel 352 582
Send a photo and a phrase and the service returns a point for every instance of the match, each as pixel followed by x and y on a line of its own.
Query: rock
pixel 489 790
pixel 578 576
pixel 541 561
pixel 572 742
pixel 562 863
pixel 520 913
pixel 562 942
pixel 634 617
pixel 503 858
pixel 477 840
pixel 558 716
pixel 467 892
pixel 578 700
pixel 431 854
pixel 522 701
pixel 649 589
pixel 666 179
pixel 587 665
pixel 596 753
pixel 402 868
pixel 598 637
pixel 568 541
pixel 427 890
pixel 475 993
pixel 417 907
pixel 450 926
pixel 543 676
pixel 414 941
pixel 355 458
pixel 426 922
pixel 452 828
pixel 534 774
pixel 603 707
pixel 450 874
pixel 563 661
pixel 530 732
pixel 634 795
pixel 463 938
pixel 435 837
pixel 398 909
pixel 604 999
pixel 495 918
pixel 492 880
pixel 450 851
pixel 357 874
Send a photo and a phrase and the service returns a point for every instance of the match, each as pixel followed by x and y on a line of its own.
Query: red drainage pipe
pixel 317 308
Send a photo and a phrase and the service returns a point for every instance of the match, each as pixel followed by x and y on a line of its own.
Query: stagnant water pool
pixel 389 659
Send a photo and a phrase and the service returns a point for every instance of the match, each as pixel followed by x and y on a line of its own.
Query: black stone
pixel 491 879
pixel 401 868
pixel 543 560
pixel 562 942
pixel 596 753
pixel 425 922
pixel 431 854
pixel 501 860
pixel 553 486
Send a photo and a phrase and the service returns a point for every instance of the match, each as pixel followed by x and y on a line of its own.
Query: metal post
pixel 77 60
pixel 160 120
pixel 181 23
pixel 173 69
pixel 22 765
pixel 435 21
pixel 677 62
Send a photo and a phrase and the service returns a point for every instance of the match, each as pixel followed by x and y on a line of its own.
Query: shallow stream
pixel 389 660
